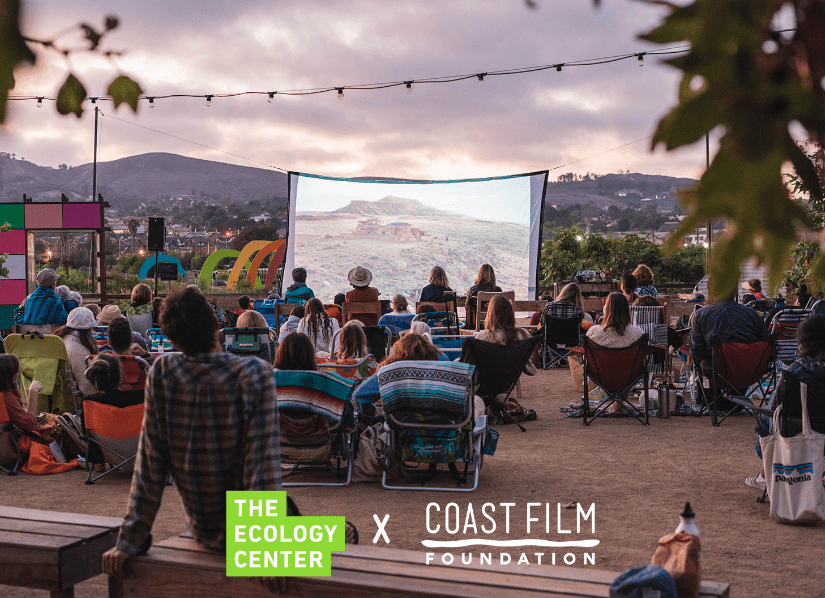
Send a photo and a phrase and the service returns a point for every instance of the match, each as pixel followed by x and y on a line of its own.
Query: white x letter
pixel 381 531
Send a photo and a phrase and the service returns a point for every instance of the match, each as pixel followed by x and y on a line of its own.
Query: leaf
pixel 123 89
pixel 91 35
pixel 13 49
pixel 70 97
pixel 111 22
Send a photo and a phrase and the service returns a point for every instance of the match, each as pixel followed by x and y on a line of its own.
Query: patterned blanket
pixel 314 392
pixel 442 386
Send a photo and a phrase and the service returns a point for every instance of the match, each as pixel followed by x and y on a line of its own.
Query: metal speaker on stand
pixel 157 234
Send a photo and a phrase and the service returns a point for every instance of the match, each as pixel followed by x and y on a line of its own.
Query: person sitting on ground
pixel 807 368
pixel 755 288
pixel 434 292
pixel 644 280
pixel 296 352
pixel 352 342
pixel 399 318
pixel 500 328
pixel 485 281
pixel 535 319
pixel 318 326
pixel 244 303
pixel 360 279
pixel 568 305
pixel 628 286
pixel 727 321
pixel 43 306
pixel 80 344
pixel 291 324
pixel 139 311
pixel 22 414
pixel 211 421
pixel 298 292
pixel 122 342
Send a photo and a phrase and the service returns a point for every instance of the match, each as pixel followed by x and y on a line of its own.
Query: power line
pixel 600 153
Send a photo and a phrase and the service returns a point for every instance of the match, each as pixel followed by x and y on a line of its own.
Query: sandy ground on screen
pixel 329 248
pixel 638 477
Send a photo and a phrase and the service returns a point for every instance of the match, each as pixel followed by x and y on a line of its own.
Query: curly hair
pixel 644 275
pixel 188 321
pixel 412 347
pixel 316 318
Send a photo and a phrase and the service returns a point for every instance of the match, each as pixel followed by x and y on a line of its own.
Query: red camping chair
pixel 736 367
pixel 115 431
pixel 616 371
pixel 9 450
pixel 133 376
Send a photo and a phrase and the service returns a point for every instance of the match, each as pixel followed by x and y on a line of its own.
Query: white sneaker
pixel 756 482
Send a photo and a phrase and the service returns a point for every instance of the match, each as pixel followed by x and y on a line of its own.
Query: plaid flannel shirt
pixel 44 307
pixel 212 422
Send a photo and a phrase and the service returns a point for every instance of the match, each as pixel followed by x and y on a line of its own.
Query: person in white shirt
pixel 318 326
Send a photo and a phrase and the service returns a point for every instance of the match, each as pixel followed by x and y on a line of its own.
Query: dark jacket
pixel 812 373
pixel 433 294
pixel 726 320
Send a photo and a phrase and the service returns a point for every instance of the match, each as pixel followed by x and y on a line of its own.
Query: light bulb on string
pixel 640 58
pixel 480 77
pixel 408 85
pixel 151 101
pixel 271 96
pixel 558 67
pixel 39 102
pixel 208 101
pixel 340 93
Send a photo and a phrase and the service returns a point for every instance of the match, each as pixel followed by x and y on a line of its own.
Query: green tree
pixel 260 232
pixel 132 225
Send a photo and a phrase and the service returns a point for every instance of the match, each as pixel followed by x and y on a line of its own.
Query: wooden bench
pixel 178 567
pixel 52 551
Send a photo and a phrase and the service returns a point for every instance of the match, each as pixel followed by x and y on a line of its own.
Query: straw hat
pixel 107 314
pixel 81 318
pixel 360 277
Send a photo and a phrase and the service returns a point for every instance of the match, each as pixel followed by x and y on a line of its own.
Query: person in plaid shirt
pixel 211 421
pixel 44 306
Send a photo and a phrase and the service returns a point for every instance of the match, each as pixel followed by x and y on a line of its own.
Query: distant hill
pixel 390 206
pixel 129 181
pixel 605 190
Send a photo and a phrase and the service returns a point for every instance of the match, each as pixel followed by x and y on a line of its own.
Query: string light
pixel 408 85
pixel 640 58
pixel 558 67
pixel 208 101
pixel 481 78
pixel 340 93
pixel 151 101
pixel 271 96
pixel 40 102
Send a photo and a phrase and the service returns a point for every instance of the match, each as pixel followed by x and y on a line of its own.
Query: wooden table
pixel 52 551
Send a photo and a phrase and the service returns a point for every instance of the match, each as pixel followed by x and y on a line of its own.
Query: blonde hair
pixel 399 303
pixel 644 275
pixel 352 342
pixel 251 319
pixel 572 293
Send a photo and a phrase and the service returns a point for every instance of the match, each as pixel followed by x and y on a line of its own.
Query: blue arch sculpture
pixel 150 261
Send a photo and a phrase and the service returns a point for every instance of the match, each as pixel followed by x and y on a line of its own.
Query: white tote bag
pixel 793 468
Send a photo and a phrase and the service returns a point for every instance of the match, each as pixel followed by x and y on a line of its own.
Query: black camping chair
pixel 379 340
pixel 557 335
pixel 259 342
pixel 498 368
pixel 616 371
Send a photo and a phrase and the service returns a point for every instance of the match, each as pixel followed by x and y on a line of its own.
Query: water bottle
pixel 686 521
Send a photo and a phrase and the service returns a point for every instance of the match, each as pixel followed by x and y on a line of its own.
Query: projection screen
pixel 400 229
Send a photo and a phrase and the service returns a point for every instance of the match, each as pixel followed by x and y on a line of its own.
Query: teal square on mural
pixel 13 214
pixel 7 317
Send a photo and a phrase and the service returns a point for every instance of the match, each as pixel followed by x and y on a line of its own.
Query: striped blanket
pixel 442 386
pixel 314 392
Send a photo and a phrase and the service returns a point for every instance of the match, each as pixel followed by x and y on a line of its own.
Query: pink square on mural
pixel 81 215
pixel 13 241
pixel 44 215
pixel 12 292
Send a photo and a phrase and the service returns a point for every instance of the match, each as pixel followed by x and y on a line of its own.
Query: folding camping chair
pixel 651 319
pixel 258 342
pixel 44 356
pixel 379 341
pixel 9 450
pixel 316 422
pixel 483 299
pixel 783 326
pixel 739 369
pixel 140 323
pixel 429 409
pixel 350 310
pixel 133 376
pixel 444 307
pixel 557 334
pixel 498 369
pixel 440 322
pixel 266 307
pixel 115 431
pixel 158 343
pixel 396 324
pixel 616 371
pixel 355 370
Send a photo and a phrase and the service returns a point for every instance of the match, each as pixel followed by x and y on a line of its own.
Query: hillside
pixel 604 190
pixel 390 206
pixel 129 181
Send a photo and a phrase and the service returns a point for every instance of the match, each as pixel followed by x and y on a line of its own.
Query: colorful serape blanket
pixel 442 386
pixel 314 392
pixel 351 369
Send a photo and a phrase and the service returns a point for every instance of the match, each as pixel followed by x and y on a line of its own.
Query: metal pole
pixel 709 234
pixel 157 253
pixel 94 163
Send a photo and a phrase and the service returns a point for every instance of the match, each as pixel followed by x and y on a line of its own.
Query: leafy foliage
pixel 753 83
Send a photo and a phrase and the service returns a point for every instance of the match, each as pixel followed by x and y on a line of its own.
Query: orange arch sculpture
pixel 279 247
pixel 263 248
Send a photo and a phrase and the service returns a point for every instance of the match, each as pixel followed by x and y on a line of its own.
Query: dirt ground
pixel 638 477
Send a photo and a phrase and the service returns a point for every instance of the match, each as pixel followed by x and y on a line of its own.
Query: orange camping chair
pixel 133 376
pixel 115 431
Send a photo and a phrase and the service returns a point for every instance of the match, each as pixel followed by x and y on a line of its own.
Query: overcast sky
pixel 508 125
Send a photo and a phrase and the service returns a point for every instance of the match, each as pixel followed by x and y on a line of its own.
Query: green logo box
pixel 262 541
